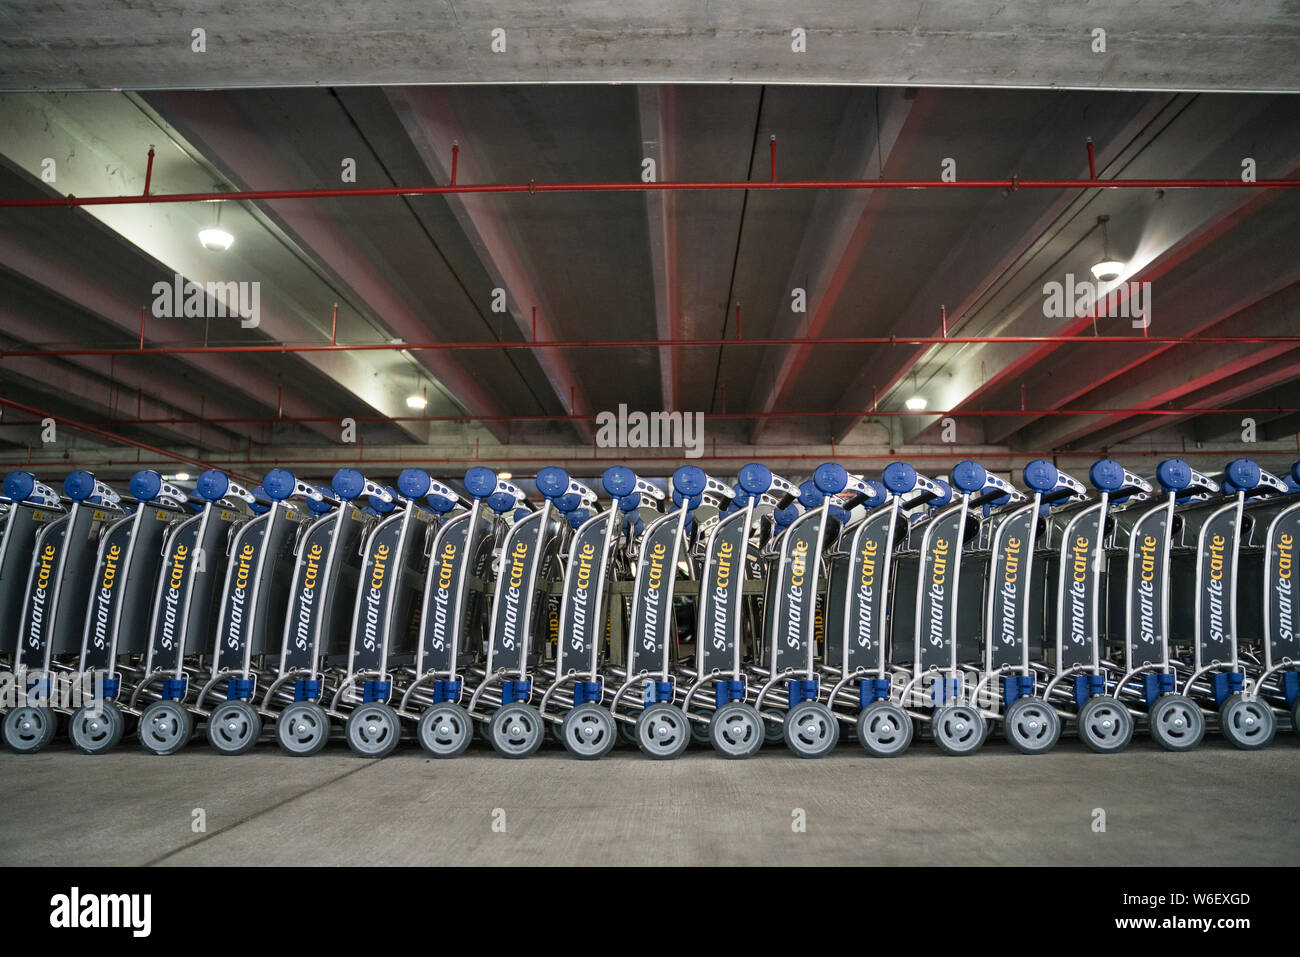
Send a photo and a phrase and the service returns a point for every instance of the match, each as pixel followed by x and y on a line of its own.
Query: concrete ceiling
pixel 1149 44
pixel 647 266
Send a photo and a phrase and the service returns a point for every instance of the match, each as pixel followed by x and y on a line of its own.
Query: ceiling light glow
pixel 215 239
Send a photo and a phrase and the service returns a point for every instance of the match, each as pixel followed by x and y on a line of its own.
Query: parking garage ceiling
pixel 142 44
pixel 723 266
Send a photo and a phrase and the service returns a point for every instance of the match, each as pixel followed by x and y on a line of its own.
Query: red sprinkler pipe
pixel 534 187
pixel 148 172
pixel 652 343
pixel 112 437
pixel 724 414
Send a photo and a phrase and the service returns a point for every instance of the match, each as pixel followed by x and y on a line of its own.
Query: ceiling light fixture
pixel 214 237
pixel 416 402
pixel 916 403
pixel 504 475
pixel 1108 270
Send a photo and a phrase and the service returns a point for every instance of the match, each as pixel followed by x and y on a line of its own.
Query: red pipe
pixel 1092 160
pixel 639 187
pixel 111 436
pixel 148 172
pixel 644 343
pixel 724 414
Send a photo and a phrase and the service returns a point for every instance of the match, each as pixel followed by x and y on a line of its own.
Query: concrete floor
pixel 1212 806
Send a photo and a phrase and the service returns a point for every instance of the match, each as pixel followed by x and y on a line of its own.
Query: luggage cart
pixel 870 616
pixel 383 631
pixel 942 624
pixel 810 728
pixel 113 643
pixel 253 602
pixel 504 697
pixel 450 619
pixel 1215 682
pixel 1028 721
pixel 857 636
pixel 54 607
pixel 27 506
pixel 736 729
pixel 1139 596
pixel 1278 681
pixel 184 611
pixel 317 621
pixel 587 728
pixel 1080 682
pixel 661 728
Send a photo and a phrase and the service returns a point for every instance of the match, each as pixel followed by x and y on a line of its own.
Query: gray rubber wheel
pixel 1105 725
pixel 234 727
pixel 517 731
pixel 700 734
pixel 958 729
pixel 373 730
pixel 884 729
pixel 445 730
pixel 627 732
pixel 589 732
pixel 663 731
pixel 736 730
pixel 303 729
pixel 165 727
pixel 96 730
pixel 28 728
pixel 773 730
pixel 1248 724
pixel 811 730
pixel 1031 725
pixel 1176 722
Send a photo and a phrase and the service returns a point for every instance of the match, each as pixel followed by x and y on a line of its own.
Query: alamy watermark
pixel 1086 299
pixel 651 430
pixel 182 299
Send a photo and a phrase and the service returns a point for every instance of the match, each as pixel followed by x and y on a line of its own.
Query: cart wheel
pixel 234 727
pixel 165 727
pixel 736 730
pixel 589 732
pixel 700 733
pixel 517 731
pixel 884 729
pixel 958 729
pixel 303 728
pixel 96 730
pixel 773 730
pixel 445 730
pixel 28 729
pixel 1105 725
pixel 627 732
pixel 1295 716
pixel 1176 722
pixel 1031 725
pixel 663 731
pixel 811 730
pixel 1249 725
pixel 373 730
